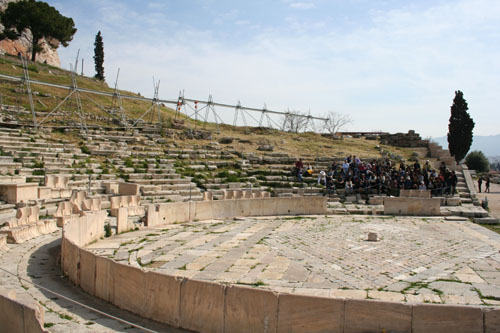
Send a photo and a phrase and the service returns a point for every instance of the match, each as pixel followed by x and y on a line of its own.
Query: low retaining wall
pixel 221 209
pixel 426 194
pixel 16 316
pixel 212 307
pixel 412 206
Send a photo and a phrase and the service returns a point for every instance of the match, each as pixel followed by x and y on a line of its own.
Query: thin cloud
pixel 302 5
pixel 396 71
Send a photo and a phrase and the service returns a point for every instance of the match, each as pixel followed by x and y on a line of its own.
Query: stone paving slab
pixel 416 260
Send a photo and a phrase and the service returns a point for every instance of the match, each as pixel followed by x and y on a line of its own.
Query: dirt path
pixel 493 198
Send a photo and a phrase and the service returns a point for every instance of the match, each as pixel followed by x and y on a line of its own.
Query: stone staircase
pixel 466 197
pixel 436 151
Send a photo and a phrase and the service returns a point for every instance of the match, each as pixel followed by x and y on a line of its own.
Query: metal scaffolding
pixel 207 111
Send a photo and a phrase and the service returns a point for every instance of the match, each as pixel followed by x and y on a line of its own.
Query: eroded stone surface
pixel 416 260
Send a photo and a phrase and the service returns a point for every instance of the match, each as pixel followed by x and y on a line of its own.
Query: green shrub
pixel 129 163
pixel 107 230
pixel 477 161
pixel 85 149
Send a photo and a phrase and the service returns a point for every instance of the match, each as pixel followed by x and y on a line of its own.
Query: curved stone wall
pixel 211 307
pixel 17 316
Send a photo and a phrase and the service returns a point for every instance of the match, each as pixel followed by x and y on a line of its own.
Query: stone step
pixel 486 220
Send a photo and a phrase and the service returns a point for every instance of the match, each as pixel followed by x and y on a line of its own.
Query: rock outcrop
pixel 48 54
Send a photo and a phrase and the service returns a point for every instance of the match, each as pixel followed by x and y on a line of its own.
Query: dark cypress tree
pixel 460 128
pixel 99 57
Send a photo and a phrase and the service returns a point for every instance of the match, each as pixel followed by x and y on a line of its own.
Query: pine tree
pixel 43 20
pixel 99 57
pixel 460 128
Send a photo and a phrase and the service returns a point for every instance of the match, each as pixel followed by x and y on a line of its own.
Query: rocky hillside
pixel 48 55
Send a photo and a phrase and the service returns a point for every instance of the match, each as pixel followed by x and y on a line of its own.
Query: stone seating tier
pixel 15 193
pixel 149 176
pixel 6 138
pixel 26 232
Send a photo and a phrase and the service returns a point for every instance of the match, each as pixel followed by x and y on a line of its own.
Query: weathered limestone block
pixel 375 316
pixel 70 260
pixel 122 222
pixel 78 196
pixel 91 204
pixel 202 306
pixel 13 179
pixel 299 313
pixel 207 196
pixel 415 194
pixel 491 320
pixel 372 237
pixel 129 287
pixel 27 215
pixel 61 193
pixel 132 202
pixel 16 193
pixel 257 194
pixel 20 234
pixel 128 189
pixel 446 318
pixel 153 215
pixel 104 279
pixel 412 206
pixel 66 208
pixel 228 194
pixel 453 201
pixel 376 200
pixel 56 181
pixel 111 187
pixel 44 193
pixel 250 310
pixel 125 201
pixel 49 226
pixel 136 211
pixel 234 186
pixel 87 271
pixel 163 292
pixel 18 316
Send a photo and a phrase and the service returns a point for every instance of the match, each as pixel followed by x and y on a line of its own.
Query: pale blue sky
pixel 391 65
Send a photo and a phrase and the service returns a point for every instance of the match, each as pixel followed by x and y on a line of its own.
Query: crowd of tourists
pixel 381 176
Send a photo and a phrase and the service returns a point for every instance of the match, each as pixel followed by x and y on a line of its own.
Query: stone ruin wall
pixel 406 140
pixel 206 306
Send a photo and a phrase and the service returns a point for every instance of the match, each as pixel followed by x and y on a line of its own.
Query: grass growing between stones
pixel 493 227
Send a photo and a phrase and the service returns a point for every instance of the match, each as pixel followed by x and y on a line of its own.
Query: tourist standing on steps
pixel 487 189
pixel 299 167
pixel 454 181
pixel 479 183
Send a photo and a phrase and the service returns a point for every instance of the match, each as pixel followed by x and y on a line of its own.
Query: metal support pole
pixel 28 89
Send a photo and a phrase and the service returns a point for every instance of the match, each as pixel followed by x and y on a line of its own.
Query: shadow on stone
pixel 44 269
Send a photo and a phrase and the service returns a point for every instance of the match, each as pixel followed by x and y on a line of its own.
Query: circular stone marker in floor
pixel 413 260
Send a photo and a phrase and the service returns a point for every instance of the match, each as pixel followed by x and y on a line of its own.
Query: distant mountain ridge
pixel 489 144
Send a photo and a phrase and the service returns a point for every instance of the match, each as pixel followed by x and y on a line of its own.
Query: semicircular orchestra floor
pixel 429 260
